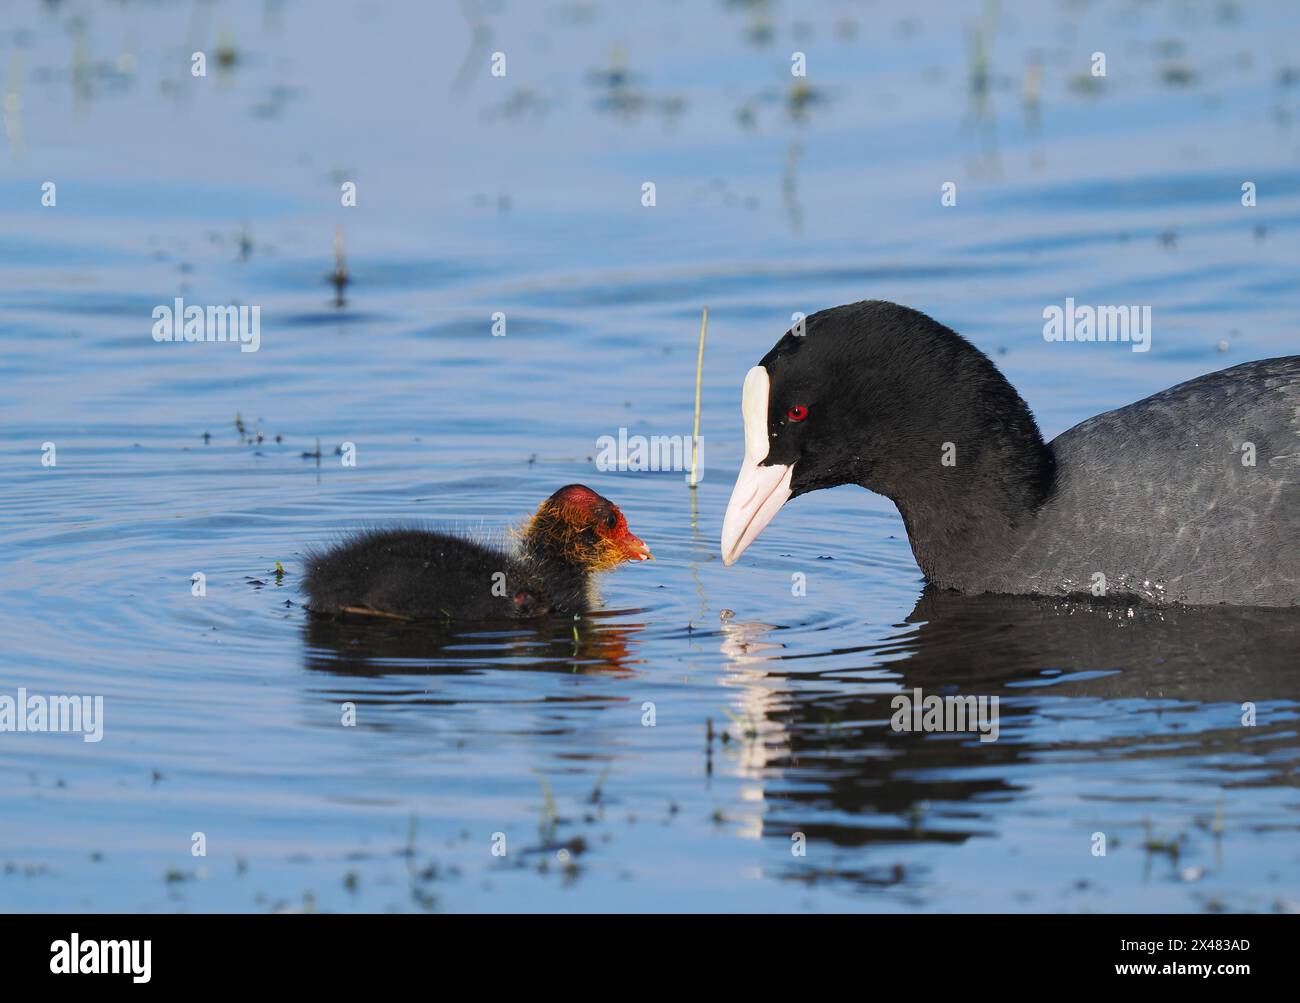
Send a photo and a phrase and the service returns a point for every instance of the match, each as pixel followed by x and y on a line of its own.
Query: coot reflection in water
pixel 1077 682
pixel 1080 684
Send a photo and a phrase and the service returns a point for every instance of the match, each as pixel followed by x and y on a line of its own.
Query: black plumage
pixel 419 574
pixel 1190 496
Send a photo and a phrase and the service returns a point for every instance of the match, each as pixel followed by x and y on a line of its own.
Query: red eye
pixel 797 413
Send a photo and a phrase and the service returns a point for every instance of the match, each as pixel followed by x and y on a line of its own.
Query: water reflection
pixel 1204 653
pixel 591 644
pixel 1079 679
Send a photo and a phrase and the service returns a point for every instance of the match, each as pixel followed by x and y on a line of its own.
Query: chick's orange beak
pixel 633 548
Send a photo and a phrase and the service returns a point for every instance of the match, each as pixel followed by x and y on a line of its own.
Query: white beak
pixel 760 491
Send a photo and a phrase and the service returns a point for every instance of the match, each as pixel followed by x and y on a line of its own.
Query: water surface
pixel 522 195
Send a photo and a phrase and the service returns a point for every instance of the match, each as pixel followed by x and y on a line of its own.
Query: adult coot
pixel 1190 496
pixel 416 574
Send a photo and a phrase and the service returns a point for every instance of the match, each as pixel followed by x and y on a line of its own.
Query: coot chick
pixel 417 574
pixel 1190 496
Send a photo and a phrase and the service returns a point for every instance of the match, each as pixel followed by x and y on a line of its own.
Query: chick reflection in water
pixel 590 644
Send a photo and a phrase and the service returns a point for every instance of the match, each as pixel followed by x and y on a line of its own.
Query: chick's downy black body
pixel 424 575
pixel 421 574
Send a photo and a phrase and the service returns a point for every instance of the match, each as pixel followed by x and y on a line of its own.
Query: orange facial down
pixel 586 529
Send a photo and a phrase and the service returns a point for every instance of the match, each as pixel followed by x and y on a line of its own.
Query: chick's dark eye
pixel 797 413
pixel 611 520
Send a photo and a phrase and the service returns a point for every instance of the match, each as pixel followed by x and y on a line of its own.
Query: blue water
pixel 522 194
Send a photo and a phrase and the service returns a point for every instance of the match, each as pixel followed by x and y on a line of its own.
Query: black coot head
pixel 869 394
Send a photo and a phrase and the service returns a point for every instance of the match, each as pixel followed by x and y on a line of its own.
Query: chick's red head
pixel 585 528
